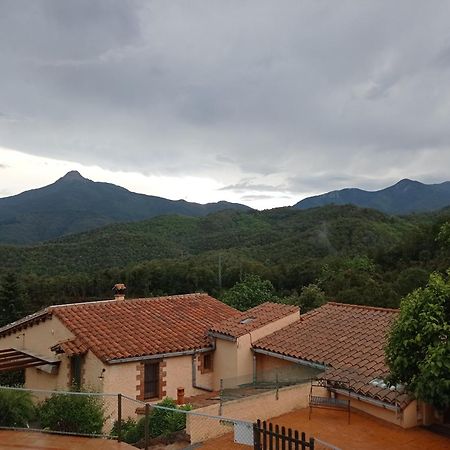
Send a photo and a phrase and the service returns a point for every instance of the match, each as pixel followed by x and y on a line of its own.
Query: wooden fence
pixel 276 438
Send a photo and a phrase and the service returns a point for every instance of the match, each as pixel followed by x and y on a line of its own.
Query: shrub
pixel 129 432
pixel 16 408
pixel 164 422
pixel 82 414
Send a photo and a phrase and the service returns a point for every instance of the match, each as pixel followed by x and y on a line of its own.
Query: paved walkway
pixel 364 432
pixel 26 440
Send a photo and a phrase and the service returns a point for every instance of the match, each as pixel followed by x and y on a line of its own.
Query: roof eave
pixel 158 356
pixel 303 362
pixel 226 337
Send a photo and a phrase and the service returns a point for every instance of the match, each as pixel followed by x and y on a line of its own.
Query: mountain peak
pixel 72 175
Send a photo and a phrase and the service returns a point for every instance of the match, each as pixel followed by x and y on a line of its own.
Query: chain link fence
pixel 116 416
pixel 264 381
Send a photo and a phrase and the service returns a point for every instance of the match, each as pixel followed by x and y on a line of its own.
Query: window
pixel 75 371
pixel 207 363
pixel 151 380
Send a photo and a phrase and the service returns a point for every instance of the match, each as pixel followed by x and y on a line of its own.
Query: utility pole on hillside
pixel 219 273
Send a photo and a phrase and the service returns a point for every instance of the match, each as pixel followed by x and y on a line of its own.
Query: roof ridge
pixel 95 302
pixel 372 308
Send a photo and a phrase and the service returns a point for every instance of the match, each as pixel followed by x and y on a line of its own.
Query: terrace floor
pixel 27 440
pixel 364 432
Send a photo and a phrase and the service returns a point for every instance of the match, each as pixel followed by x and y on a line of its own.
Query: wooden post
pixel 270 436
pixel 296 441
pixel 264 435
pixel 290 439
pixel 221 397
pixel 119 417
pixel 147 414
pixel 257 435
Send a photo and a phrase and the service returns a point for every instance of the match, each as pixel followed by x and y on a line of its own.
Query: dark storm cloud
pixel 316 94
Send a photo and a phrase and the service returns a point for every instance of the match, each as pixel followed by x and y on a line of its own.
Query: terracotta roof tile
pixel 117 329
pixel 71 347
pixel 254 318
pixel 350 339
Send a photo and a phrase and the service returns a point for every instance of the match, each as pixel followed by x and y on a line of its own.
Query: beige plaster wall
pixel 91 371
pixel 38 339
pixel 263 406
pixel 406 418
pixel 179 374
pixel 205 379
pixel 121 378
pixel 269 368
pixel 234 360
pixel 225 361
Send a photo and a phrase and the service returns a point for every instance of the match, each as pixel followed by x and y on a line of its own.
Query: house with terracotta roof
pixel 148 348
pixel 346 342
pixel 145 348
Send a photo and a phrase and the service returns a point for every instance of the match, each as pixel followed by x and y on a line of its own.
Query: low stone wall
pixel 261 406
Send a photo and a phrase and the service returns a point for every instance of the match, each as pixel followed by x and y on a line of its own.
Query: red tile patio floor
pixel 26 440
pixel 364 432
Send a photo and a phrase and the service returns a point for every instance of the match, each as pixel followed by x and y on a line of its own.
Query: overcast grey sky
pixel 263 102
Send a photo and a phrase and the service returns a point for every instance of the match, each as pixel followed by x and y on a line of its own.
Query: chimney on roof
pixel 119 291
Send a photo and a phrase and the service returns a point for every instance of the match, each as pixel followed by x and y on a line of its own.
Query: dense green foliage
pixel 249 293
pixel 11 299
pixel 310 297
pixel 404 197
pixel 82 414
pixel 161 422
pixel 353 255
pixel 418 350
pixel 13 378
pixel 16 408
pixel 129 431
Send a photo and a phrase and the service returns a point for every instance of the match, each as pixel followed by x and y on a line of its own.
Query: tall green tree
pixel 418 349
pixel 11 299
pixel 250 292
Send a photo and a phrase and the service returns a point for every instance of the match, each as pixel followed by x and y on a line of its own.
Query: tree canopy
pixel 418 349
pixel 248 293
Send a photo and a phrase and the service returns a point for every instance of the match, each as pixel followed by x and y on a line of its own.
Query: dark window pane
pixel 151 380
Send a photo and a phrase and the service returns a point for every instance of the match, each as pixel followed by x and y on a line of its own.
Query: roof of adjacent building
pixel 349 339
pixel 252 319
pixel 121 329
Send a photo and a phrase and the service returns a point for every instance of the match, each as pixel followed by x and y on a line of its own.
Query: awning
pixel 13 359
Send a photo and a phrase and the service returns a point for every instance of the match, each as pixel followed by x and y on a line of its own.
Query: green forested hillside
pixel 276 236
pixel 354 255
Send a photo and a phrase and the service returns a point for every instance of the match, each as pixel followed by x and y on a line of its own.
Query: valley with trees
pixel 304 257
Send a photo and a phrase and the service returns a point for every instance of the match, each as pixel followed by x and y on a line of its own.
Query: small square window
pixel 207 363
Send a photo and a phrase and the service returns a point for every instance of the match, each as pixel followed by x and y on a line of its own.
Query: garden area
pixel 92 414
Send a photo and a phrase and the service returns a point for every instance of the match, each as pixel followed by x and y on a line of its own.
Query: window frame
pixel 156 370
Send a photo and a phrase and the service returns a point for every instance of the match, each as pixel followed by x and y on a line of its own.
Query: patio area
pixel 27 440
pixel 364 432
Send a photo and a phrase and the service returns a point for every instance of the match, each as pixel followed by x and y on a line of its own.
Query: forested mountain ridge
pixel 74 204
pixel 352 254
pixel 404 197
pixel 275 235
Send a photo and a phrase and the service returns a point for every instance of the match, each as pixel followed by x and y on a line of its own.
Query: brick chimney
pixel 119 291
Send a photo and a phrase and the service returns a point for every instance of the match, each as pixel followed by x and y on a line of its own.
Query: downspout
pixel 194 373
